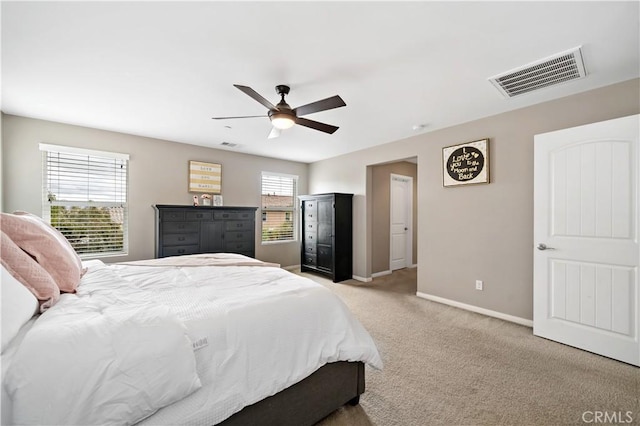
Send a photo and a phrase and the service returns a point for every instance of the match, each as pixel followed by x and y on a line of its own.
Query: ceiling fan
pixel 282 116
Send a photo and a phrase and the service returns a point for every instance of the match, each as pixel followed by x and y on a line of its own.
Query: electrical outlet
pixel 479 285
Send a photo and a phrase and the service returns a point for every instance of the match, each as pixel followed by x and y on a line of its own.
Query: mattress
pixel 236 334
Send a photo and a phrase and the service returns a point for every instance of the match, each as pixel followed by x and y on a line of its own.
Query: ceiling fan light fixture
pixel 282 121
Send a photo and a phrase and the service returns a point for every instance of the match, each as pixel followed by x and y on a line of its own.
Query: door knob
pixel 543 246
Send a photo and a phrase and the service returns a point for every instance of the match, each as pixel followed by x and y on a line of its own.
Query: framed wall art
pixel 466 163
pixel 205 177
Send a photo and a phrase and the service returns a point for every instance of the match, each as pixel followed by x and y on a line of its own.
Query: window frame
pixel 293 210
pixel 46 150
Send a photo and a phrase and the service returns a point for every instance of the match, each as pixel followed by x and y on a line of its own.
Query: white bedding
pixel 251 331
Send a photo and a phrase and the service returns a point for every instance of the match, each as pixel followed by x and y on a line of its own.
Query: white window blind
pixel 279 195
pixel 85 198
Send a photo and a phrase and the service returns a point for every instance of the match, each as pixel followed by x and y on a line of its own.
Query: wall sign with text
pixel 205 177
pixel 466 164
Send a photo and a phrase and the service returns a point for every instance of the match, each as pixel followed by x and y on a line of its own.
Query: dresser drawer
pixel 172 215
pixel 309 248
pixel 199 215
pixel 238 225
pixel 180 250
pixel 180 239
pixel 180 227
pixel 238 246
pixel 310 227
pixel 310 238
pixel 234 215
pixel 239 236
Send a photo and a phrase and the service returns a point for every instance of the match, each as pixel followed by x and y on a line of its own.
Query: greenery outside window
pixel 278 201
pixel 85 198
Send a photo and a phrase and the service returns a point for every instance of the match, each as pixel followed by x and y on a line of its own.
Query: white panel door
pixel 401 198
pixel 586 224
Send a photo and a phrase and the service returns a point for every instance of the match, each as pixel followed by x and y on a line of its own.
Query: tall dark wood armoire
pixel 327 235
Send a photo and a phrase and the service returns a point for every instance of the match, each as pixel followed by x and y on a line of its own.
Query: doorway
pixel 379 214
pixel 400 215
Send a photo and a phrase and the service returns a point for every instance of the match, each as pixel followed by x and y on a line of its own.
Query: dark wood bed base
pixel 308 401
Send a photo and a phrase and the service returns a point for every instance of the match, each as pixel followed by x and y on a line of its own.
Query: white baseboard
pixel 362 279
pixel 291 267
pixel 355 277
pixel 381 274
pixel 476 309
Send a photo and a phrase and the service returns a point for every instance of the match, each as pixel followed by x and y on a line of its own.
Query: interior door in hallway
pixel 586 224
pixel 401 200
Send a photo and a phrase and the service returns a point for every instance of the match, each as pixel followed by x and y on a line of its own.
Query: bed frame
pixel 308 401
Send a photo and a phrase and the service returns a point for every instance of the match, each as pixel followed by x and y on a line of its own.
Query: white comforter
pixel 136 338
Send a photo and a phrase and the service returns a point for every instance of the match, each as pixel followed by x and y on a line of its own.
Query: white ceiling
pixel 163 69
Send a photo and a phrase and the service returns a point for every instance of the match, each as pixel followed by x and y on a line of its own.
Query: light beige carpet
pixel 446 366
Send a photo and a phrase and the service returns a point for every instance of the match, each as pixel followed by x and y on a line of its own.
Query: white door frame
pixel 409 210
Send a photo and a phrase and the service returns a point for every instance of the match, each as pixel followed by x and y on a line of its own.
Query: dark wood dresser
pixel 204 229
pixel 327 241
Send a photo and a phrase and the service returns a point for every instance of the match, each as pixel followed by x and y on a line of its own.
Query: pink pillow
pixel 26 270
pixel 46 245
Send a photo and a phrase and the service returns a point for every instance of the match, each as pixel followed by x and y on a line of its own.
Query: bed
pixel 199 340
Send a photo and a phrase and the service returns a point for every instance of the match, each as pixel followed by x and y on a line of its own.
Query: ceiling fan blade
pixel 255 95
pixel 316 125
pixel 323 105
pixel 242 116
pixel 274 133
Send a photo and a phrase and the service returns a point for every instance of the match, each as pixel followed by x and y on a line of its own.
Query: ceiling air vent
pixel 556 69
pixel 229 144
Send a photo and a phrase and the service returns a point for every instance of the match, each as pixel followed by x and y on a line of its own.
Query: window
pixel 279 194
pixel 85 198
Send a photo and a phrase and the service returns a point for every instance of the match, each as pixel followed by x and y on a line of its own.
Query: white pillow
pixel 18 306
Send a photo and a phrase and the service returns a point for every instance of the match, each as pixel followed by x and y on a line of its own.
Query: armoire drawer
pixel 309 249
pixel 309 259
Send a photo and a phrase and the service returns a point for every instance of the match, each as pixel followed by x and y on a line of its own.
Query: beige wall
pixel 474 232
pixel 380 211
pixel 157 175
pixel 463 234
